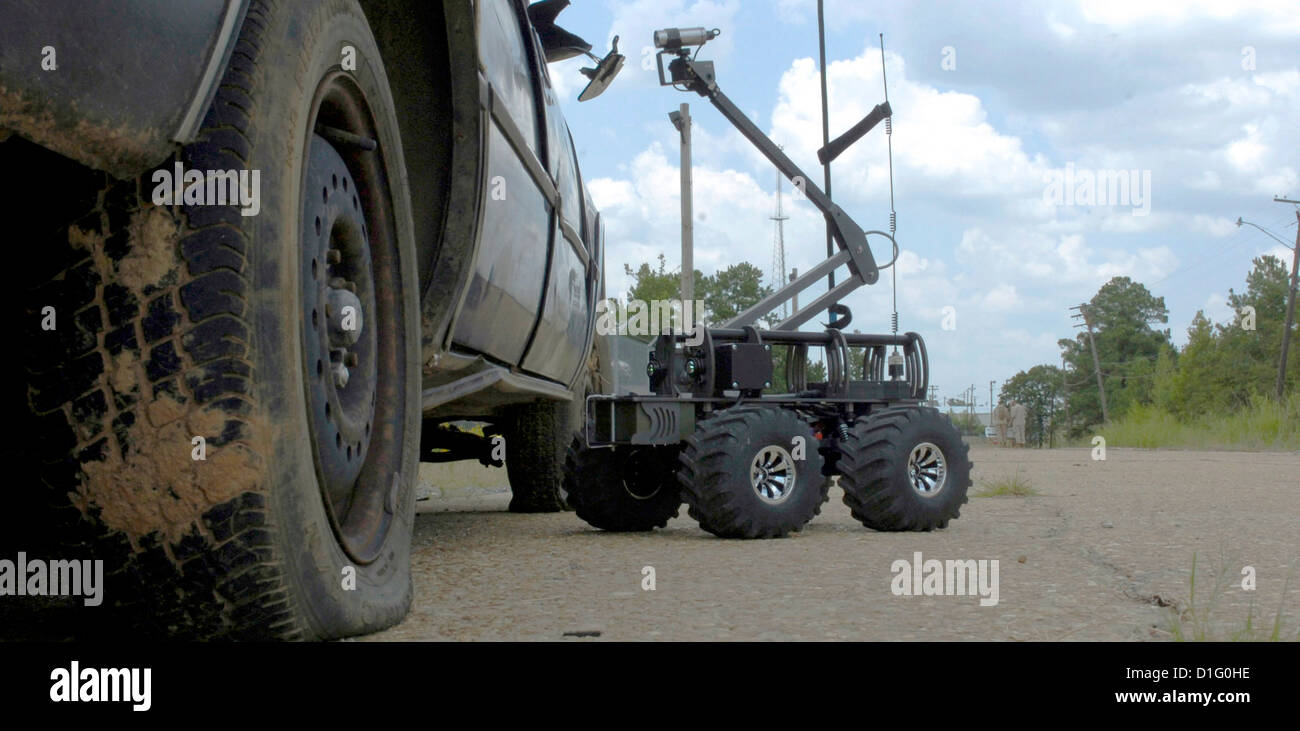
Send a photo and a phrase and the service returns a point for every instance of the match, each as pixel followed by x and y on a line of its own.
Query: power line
pixel 1207 254
pixel 1187 267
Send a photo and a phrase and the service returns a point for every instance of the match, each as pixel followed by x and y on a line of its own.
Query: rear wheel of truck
pixel 904 469
pixel 622 489
pixel 537 440
pixel 536 437
pixel 753 472
pixel 238 437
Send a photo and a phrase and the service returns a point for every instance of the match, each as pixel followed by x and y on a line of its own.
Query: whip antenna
pixel 893 215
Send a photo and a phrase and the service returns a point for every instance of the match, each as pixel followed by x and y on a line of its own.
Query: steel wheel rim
pixel 927 469
pixel 772 474
pixel 639 473
pixel 629 485
pixel 359 478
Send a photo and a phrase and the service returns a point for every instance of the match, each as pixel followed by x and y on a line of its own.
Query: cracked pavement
pixel 1103 552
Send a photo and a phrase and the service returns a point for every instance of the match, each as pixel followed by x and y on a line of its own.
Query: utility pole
pixel 1290 304
pixel 1096 363
pixel 991 401
pixel 682 121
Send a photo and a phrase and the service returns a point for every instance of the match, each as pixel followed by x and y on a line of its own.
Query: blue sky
pixel 1203 95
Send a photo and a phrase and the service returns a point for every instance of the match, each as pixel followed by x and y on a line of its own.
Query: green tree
pixel 966 423
pixel 1039 389
pixel 1223 365
pixel 656 285
pixel 1200 386
pixel 816 372
pixel 1250 355
pixel 1123 314
pixel 726 293
pixel 731 291
pixel 1164 378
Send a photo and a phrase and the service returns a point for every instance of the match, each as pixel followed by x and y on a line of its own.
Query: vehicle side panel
pixel 558 349
pixel 505 289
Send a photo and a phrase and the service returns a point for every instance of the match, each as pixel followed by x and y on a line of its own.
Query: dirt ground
pixel 1103 552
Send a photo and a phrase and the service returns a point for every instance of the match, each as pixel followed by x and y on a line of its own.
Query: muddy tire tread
pixel 220 579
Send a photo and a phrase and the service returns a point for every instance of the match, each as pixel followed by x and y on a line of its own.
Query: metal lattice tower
pixel 778 246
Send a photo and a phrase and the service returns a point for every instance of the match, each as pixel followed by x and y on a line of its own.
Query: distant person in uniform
pixel 1018 416
pixel 1001 419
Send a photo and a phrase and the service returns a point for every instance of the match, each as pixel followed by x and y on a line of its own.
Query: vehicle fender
pixel 113 85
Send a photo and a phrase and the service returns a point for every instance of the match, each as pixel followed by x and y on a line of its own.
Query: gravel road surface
pixel 1104 551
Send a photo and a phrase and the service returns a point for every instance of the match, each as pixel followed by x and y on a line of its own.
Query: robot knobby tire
pixel 622 489
pixel 904 469
pixel 740 476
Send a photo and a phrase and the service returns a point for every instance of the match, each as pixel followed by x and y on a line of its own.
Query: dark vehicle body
pixel 471 251
pixel 129 87
pixel 490 321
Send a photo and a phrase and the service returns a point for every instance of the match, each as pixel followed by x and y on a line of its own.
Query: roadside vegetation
pixel 1262 425
pixel 1215 392
pixel 1203 619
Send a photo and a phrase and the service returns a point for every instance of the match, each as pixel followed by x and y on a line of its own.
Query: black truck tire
pixel 537 441
pixel 737 469
pixel 904 469
pixel 537 435
pixel 187 320
pixel 622 489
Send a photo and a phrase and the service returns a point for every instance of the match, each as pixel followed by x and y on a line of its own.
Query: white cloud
pixel 1247 153
pixel 942 139
pixel 1125 14
pixel 1281 253
pixel 1213 225
pixel 805 11
pixel 1059 29
pixel 1216 308
pixel 1002 298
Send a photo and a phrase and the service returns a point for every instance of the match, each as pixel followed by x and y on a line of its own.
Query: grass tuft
pixel 1015 486
pixel 1197 621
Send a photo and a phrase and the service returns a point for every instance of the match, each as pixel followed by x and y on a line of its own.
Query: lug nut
pixel 341 375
